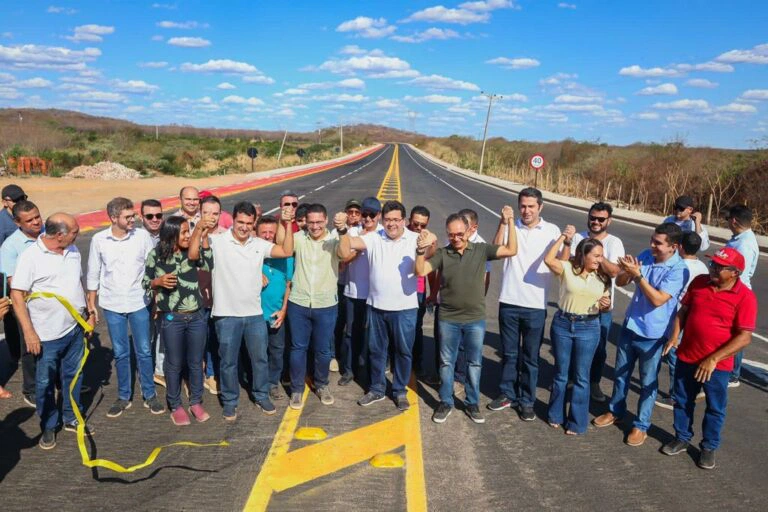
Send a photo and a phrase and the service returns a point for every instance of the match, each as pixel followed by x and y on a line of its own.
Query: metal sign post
pixel 537 164
pixel 252 154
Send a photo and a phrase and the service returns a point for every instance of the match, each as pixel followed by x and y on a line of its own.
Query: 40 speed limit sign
pixel 537 161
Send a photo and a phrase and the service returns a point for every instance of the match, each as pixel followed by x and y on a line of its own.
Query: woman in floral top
pixel 173 277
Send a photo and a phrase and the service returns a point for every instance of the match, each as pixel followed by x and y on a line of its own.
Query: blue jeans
pixel 231 331
pixel 310 327
pixel 601 354
pixel 354 347
pixel 736 373
pixel 686 389
pixel 65 353
pixel 631 348
pixel 470 335
pixel 519 376
pixel 397 328
pixel 117 324
pixel 275 352
pixel 184 337
pixel 574 344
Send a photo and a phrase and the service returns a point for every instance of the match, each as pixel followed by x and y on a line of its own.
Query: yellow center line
pixel 390 185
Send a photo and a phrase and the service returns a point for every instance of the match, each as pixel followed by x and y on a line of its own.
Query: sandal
pixel 554 425
pixel 4 393
pixel 571 433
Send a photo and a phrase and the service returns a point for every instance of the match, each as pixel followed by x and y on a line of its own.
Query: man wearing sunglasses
pixel 598 221
pixel 290 198
pixel 152 218
pixel 12 194
pixel 418 221
pixel 718 315
pixel 689 219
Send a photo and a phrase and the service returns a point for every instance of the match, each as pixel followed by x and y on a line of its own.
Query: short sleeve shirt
pixel 12 248
pixel 393 282
pixel 185 297
pixel 279 272
pixel 580 295
pixel 746 243
pixel 462 288
pixel 316 271
pixel 714 317
pixel 613 249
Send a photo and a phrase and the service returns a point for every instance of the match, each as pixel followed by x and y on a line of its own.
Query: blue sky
pixel 619 72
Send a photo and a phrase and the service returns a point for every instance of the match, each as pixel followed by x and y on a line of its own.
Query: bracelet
pixel 567 243
pixel 421 252
pixel 342 231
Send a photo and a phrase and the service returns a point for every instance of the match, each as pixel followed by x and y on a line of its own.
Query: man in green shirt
pixel 461 265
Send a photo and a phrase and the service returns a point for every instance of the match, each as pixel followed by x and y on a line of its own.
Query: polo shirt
pixel 713 318
pixel 358 270
pixel 643 318
pixel 237 269
pixel 116 268
pixel 393 281
pixel 316 271
pixel 613 249
pixel 7 225
pixel 42 270
pixel 13 246
pixel 689 225
pixel 278 271
pixel 746 243
pixel 525 278
pixel 580 295
pixel 462 284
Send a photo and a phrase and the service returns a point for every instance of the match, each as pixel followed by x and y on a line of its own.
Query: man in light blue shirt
pixel 743 240
pixel 659 274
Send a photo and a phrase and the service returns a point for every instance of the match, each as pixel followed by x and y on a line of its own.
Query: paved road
pixel 502 465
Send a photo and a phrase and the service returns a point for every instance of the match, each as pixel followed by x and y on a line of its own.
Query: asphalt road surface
pixel 505 464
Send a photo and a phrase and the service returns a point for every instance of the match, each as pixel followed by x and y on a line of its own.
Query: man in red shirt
pixel 717 315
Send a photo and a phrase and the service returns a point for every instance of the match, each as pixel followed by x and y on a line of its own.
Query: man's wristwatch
pixel 342 231
pixel 638 279
pixel 421 252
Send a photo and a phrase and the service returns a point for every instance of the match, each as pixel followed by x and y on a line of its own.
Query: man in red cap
pixel 717 315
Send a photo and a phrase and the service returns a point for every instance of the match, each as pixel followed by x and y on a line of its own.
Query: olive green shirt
pixel 462 281
pixel 316 274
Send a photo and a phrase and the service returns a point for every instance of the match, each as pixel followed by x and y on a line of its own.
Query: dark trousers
pixel 418 341
pixel 354 346
pixel 18 349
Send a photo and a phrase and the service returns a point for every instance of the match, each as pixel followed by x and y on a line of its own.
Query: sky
pixel 617 72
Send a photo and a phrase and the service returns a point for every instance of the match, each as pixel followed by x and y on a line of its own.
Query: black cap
pixel 14 193
pixel 371 204
pixel 684 202
pixel 353 203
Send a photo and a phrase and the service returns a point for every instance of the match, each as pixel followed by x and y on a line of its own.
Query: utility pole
pixel 319 132
pixel 157 132
pixel 490 97
pixel 280 154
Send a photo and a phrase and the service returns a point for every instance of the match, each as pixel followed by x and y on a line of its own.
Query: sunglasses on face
pixel 719 268
pixel 22 198
pixel 593 218
pixel 294 204
pixel 419 224
pixel 679 208
pixel 368 215
pixel 153 216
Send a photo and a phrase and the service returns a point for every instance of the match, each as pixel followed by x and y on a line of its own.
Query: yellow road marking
pixel 390 185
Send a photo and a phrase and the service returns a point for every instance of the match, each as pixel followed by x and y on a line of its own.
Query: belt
pixel 577 318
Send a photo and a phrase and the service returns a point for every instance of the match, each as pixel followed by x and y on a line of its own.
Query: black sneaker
pixel 154 405
pixel 402 403
pixel 706 459
pixel 473 411
pixel 30 400
pixel 370 398
pixel 526 413
pixel 499 403
pixel 266 407
pixel 47 440
pixel 345 379
pixel 276 393
pixel 665 402
pixel 118 407
pixel 442 412
pixel 72 427
pixel 674 447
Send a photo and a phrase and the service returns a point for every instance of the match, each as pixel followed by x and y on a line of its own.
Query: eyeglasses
pixel 369 215
pixel 680 208
pixel 418 224
pixel 456 235
pixel 392 221
pixel 593 218
pixel 294 204
pixel 153 216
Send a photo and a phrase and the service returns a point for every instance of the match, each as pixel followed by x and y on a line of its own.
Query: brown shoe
pixel 605 420
pixel 159 380
pixel 636 437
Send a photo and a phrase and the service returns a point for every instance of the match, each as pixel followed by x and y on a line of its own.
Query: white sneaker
pixel 334 366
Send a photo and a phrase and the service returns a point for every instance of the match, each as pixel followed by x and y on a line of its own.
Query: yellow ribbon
pixel 87 461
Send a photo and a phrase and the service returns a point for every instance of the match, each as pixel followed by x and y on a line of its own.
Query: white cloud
pixel 292 92
pixel 33 83
pixel 100 96
pixel 352 49
pixel 348 83
pixel 259 79
pixel 351 83
pixel 515 96
pixel 755 94
pixel 31 56
pixel 373 65
pixel 702 83
pixel 53 9
pixel 7 35
pixel 346 98
pixel 90 33
pixel 571 98
pixel 488 5
pixel 441 14
pixel 667 88
pixel 184 25
pixel 153 64
pixel 226 86
pixel 557 79
pixel 8 93
pixel 737 108
pixel 647 116
pixel 516 63
pixel 239 100
pixel 756 55
pixel 369 28
pixel 440 82
pixel 189 42
pixel 433 98
pixel 134 108
pixel 427 35
pixel 564 5
pixel 73 87
pixel 571 107
pixel 407 73
pixel 683 105
pixel 134 86
pixel 387 103
pixel 220 66
pixel 6 77
pixel 285 112
pixel 638 72
pixel 715 67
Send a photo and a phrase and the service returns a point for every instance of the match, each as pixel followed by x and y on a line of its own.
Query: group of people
pixel 207 296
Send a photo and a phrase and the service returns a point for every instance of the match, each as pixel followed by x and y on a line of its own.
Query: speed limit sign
pixel 537 161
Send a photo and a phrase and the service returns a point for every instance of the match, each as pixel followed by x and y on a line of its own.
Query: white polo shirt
pixel 116 268
pixel 525 278
pixel 237 270
pixel 42 270
pixel 393 280
pixel 358 270
pixel 613 249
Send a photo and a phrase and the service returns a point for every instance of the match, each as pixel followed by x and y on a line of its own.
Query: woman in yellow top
pixel 575 332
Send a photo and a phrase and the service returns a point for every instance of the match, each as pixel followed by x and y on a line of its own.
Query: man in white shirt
pixel 523 304
pixel 152 218
pixel 598 221
pixel 53 265
pixel 392 300
pixel 237 281
pixel 116 262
